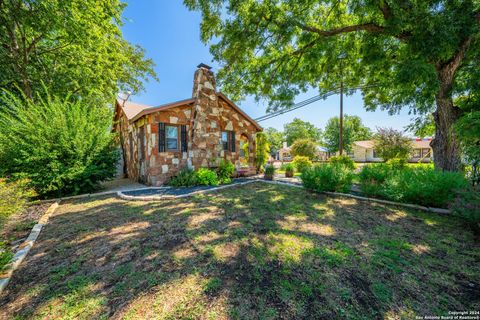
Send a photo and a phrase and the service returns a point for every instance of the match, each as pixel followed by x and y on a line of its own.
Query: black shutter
pixel 161 137
pixel 183 136
pixel 232 141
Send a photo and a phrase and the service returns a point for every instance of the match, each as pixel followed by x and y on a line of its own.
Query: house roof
pixel 133 111
pixel 370 144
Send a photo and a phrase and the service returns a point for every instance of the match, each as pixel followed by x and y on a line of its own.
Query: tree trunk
pixel 445 145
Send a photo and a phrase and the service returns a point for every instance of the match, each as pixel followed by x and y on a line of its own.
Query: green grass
pixel 258 251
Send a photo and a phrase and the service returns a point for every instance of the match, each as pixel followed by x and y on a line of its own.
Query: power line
pixel 304 103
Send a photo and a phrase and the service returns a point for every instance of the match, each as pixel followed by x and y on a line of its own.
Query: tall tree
pixel 414 54
pixel 353 130
pixel 275 139
pixel 71 46
pixel 299 129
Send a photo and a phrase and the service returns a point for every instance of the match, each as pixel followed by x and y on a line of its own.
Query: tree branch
pixel 370 27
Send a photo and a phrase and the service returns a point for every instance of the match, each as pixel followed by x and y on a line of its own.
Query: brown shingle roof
pixel 134 110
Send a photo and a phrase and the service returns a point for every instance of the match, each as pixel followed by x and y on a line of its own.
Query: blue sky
pixel 170 35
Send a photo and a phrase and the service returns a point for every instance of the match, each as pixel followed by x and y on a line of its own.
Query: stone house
pixel 158 141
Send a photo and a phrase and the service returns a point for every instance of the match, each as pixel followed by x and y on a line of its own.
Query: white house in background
pixel 284 154
pixel 364 151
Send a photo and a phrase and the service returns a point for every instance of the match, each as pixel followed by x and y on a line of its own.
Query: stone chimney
pixel 205 131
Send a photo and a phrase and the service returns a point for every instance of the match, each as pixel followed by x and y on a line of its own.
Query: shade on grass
pixel 248 252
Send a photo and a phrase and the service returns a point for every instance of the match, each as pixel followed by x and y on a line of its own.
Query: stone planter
pixel 289 174
pixel 268 176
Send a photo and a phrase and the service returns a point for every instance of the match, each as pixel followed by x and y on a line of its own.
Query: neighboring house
pixel 284 154
pixel 364 151
pixel 197 132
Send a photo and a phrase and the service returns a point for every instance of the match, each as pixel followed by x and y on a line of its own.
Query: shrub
pixel 424 186
pixel 301 163
pixel 270 170
pixel 225 171
pixel 13 197
pixel 372 178
pixel 305 148
pixel 63 146
pixel 467 206
pixel 397 163
pixel 390 143
pixel 289 170
pixel 185 178
pixel 207 177
pixel 6 255
pixel 343 160
pixel 327 177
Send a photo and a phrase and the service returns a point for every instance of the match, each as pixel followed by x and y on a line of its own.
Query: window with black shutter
pixel 184 144
pixel 161 137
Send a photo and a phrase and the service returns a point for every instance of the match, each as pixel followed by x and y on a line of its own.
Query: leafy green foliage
pixel 275 139
pixel 301 163
pixel 423 186
pixel 289 168
pixel 353 130
pixel 62 146
pixel 207 177
pixel 468 130
pixel 299 129
pixel 13 197
pixel 225 171
pixel 327 177
pixel 71 46
pixel 262 150
pixel 390 143
pixel 343 160
pixel 397 163
pixel 305 148
pixel 269 170
pixel 185 178
pixel 277 49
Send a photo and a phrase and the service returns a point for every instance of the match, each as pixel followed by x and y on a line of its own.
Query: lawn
pixel 257 251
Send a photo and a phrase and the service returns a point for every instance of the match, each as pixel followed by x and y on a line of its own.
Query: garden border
pixel 290 184
pixel 25 247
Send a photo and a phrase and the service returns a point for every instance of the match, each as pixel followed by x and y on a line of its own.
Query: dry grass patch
pixel 257 251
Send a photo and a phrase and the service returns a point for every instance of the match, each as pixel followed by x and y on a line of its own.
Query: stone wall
pixel 209 115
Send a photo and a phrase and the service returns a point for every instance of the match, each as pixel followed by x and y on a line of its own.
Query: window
pixel 171 133
pixel 224 140
pixel 426 153
pixel 350 154
pixel 375 155
pixel 417 153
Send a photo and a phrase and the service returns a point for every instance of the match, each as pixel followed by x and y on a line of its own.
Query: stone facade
pixel 205 117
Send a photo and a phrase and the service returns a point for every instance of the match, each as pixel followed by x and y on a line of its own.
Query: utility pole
pixel 341 119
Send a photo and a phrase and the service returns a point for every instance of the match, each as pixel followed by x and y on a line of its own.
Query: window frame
pixel 225 144
pixel 417 153
pixel 177 127
pixel 426 153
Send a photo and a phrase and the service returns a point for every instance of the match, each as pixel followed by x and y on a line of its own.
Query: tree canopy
pixel 353 130
pixel 275 139
pixel 304 147
pixel 392 144
pixel 299 129
pixel 414 54
pixel 71 47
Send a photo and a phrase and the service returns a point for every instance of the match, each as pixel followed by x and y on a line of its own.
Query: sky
pixel 170 34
